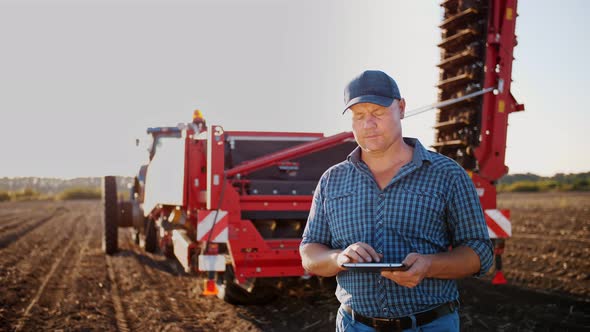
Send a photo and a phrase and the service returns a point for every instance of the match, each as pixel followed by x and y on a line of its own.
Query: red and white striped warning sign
pixel 498 222
pixel 210 230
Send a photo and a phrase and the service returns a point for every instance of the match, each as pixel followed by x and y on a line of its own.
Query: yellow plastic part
pixel 197 114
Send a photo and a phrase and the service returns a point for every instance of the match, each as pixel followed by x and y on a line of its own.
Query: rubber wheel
pixel 169 251
pixel 231 293
pixel 151 238
pixel 135 237
pixel 111 214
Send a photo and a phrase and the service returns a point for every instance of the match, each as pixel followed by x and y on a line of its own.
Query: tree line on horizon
pixel 529 182
pixel 35 188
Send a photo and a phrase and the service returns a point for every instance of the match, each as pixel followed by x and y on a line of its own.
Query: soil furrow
pixel 546 238
pixel 146 265
pixel 550 263
pixel 61 298
pixel 27 265
pixel 9 223
pixel 25 316
pixel 24 256
pixel 120 316
pixel 543 280
pixel 10 237
pixel 164 311
pixel 6 213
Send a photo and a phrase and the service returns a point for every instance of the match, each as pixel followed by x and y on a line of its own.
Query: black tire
pixel 168 251
pixel 135 237
pixel 111 214
pixel 151 238
pixel 231 293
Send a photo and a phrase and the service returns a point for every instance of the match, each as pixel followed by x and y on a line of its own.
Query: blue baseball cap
pixel 372 86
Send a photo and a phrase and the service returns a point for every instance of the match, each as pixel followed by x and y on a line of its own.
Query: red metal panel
pixel 485 190
pixel 196 179
pixel 215 166
pixel 275 203
pixel 501 40
pixel 255 257
pixel 271 270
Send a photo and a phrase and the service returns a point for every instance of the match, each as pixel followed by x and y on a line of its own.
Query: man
pixel 393 201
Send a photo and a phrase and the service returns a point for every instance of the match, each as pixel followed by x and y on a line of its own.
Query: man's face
pixel 376 127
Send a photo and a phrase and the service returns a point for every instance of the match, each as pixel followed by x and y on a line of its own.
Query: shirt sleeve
pixel 316 229
pixel 467 222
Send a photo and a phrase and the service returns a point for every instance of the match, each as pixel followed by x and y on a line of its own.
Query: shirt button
pixel 381 195
pixel 384 309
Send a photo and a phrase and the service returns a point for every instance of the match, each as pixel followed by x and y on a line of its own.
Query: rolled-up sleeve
pixel 316 229
pixel 467 222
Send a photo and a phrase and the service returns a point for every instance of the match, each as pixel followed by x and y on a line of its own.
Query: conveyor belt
pixel 463 31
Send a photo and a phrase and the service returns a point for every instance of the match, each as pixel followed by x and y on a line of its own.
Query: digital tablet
pixel 375 267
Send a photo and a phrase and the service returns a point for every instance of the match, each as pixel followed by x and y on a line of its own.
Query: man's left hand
pixel 418 266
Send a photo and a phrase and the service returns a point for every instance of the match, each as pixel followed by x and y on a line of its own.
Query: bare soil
pixel 54 276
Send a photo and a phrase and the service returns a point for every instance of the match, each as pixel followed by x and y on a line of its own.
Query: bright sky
pixel 80 80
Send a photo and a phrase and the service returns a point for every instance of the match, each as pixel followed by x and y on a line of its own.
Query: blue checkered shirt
pixel 429 206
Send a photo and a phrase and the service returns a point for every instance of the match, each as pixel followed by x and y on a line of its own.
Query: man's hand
pixel 458 263
pixel 418 267
pixel 321 260
pixel 359 252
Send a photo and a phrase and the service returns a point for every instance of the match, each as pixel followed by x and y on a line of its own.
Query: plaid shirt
pixel 429 206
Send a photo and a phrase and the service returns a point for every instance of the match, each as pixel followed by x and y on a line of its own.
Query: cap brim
pixel 379 100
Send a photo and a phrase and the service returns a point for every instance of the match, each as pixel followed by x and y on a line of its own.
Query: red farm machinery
pixel 478 40
pixel 229 204
pixel 232 205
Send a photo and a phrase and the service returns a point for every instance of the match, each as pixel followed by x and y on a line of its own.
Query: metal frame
pixel 251 255
pixel 501 40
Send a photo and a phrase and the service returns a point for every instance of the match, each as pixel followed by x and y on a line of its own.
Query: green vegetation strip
pixel 533 183
pixel 67 194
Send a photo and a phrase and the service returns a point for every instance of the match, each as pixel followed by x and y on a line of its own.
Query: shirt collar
pixel 420 153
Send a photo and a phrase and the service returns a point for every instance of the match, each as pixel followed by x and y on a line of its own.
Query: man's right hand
pixel 324 261
pixel 359 252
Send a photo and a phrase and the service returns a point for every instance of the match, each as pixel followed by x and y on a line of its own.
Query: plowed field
pixel 54 276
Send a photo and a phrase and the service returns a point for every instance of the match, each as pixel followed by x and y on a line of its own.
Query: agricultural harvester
pixel 233 204
pixel 229 204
